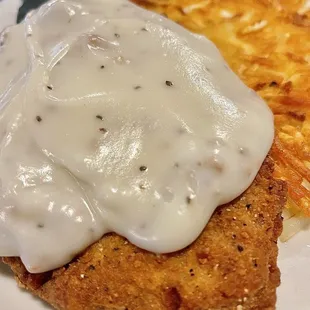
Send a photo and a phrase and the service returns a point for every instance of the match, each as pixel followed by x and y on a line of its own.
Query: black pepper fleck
pixel 142 186
pixel 115 249
pixel 49 87
pixel 103 130
pixel 117 35
pixel 240 248
pixel 248 206
pixel 255 263
pixel 143 29
pixel 91 267
pixel 273 84
pixel 143 168
pixel 188 199
pixel 234 236
pixel 244 224
pixel 40 225
pixel 169 83
pixel 102 67
pixel 39 118
pixel 137 87
pixel 99 117
pixel 176 165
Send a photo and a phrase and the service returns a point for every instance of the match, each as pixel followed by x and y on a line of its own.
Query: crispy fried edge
pixel 112 257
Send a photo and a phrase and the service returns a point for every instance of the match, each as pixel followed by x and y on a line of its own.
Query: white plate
pixel 294 263
pixel 14 298
pixel 294 256
pixel 8 12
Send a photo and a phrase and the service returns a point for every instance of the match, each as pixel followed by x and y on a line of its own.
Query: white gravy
pixel 115 119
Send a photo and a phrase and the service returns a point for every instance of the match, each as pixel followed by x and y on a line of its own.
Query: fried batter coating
pixel 232 265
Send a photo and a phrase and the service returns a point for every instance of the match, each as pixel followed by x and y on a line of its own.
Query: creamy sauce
pixel 115 119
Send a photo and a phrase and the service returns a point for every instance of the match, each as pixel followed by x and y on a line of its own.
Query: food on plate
pixel 232 265
pixel 118 120
pixel 124 130
pixel 267 44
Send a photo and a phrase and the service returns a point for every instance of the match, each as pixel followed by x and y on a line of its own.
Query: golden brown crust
pixel 230 266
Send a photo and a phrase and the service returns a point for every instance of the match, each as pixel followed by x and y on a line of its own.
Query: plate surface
pixel 294 256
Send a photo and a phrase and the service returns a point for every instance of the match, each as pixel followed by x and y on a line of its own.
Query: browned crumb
pixel 232 265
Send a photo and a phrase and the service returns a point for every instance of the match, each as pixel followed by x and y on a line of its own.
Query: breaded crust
pixel 232 265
